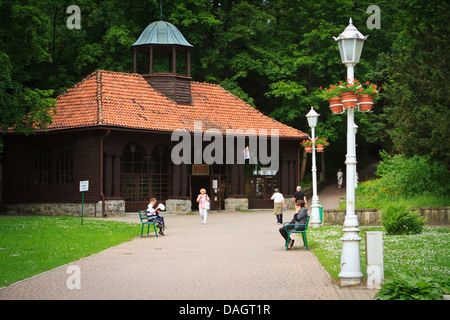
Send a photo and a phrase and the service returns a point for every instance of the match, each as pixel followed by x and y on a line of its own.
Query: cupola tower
pixel 169 66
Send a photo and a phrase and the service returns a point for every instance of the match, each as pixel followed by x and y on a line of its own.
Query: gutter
pixel 101 171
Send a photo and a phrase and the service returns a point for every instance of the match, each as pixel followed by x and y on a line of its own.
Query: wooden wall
pixel 16 156
pixel 174 87
pixel 18 162
pixel 87 164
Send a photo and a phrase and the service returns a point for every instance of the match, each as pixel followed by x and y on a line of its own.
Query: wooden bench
pixel 302 232
pixel 144 221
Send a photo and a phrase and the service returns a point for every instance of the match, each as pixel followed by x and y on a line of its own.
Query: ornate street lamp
pixel 350 46
pixel 350 43
pixel 313 117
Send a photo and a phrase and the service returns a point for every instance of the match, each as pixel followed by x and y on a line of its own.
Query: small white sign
pixel 84 186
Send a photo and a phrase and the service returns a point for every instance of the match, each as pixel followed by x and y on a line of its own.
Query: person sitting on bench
pixel 153 213
pixel 300 217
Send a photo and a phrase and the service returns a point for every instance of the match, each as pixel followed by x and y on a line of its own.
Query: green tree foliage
pixel 24 46
pixel 274 54
pixel 417 89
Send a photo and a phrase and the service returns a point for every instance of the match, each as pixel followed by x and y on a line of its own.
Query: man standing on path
pixel 299 195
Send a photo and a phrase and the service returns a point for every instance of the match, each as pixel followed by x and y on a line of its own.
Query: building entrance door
pixel 212 185
pixel 136 191
pixel 144 177
pixel 215 195
pixel 195 184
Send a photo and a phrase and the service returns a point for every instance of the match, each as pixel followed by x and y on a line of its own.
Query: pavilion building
pixel 116 130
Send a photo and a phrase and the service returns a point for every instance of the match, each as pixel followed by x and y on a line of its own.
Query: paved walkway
pixel 330 195
pixel 235 256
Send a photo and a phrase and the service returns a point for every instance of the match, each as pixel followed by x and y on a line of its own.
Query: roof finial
pixel 351 21
pixel 160 10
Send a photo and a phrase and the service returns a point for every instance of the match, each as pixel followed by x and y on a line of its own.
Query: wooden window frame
pixel 53 164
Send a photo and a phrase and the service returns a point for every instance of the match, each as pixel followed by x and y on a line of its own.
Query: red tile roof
pixel 127 100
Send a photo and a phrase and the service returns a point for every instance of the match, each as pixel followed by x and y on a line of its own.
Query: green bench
pixel 145 222
pixel 302 232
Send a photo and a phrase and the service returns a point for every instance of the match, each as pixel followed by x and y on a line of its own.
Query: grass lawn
pixel 427 253
pixel 32 245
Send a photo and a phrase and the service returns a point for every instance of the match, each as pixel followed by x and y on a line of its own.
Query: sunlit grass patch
pixel 31 245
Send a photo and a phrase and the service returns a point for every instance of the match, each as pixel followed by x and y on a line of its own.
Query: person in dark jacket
pixel 300 217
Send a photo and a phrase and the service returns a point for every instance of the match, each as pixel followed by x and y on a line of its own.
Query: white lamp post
pixel 313 117
pixel 350 46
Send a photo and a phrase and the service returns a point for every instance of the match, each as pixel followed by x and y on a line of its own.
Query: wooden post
pixel 174 60
pixel 150 67
pixel 322 164
pixel 302 175
pixel 188 63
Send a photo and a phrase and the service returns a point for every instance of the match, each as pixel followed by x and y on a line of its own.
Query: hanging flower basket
pixel 349 93
pixel 320 144
pixel 349 99
pixel 365 102
pixel 331 92
pixel 336 105
pixel 308 145
pixel 368 93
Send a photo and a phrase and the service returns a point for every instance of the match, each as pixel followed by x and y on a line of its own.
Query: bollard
pixel 374 259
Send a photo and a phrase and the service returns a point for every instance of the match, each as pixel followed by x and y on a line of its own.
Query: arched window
pixel 160 160
pixel 133 159
pixel 160 170
pixel 144 177
pixel 135 177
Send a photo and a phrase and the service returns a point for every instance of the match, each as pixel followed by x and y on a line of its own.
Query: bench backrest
pixel 307 222
pixel 143 215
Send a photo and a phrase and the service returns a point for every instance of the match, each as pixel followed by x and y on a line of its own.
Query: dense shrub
pixel 413 286
pixel 418 180
pixel 397 218
pixel 412 176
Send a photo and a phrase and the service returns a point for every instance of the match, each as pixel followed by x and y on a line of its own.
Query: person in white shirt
pixel 340 178
pixel 153 214
pixel 278 205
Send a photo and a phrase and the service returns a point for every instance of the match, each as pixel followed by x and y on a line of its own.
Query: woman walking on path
pixel 203 201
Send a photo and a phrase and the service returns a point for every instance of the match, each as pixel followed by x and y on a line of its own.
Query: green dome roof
pixel 161 32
